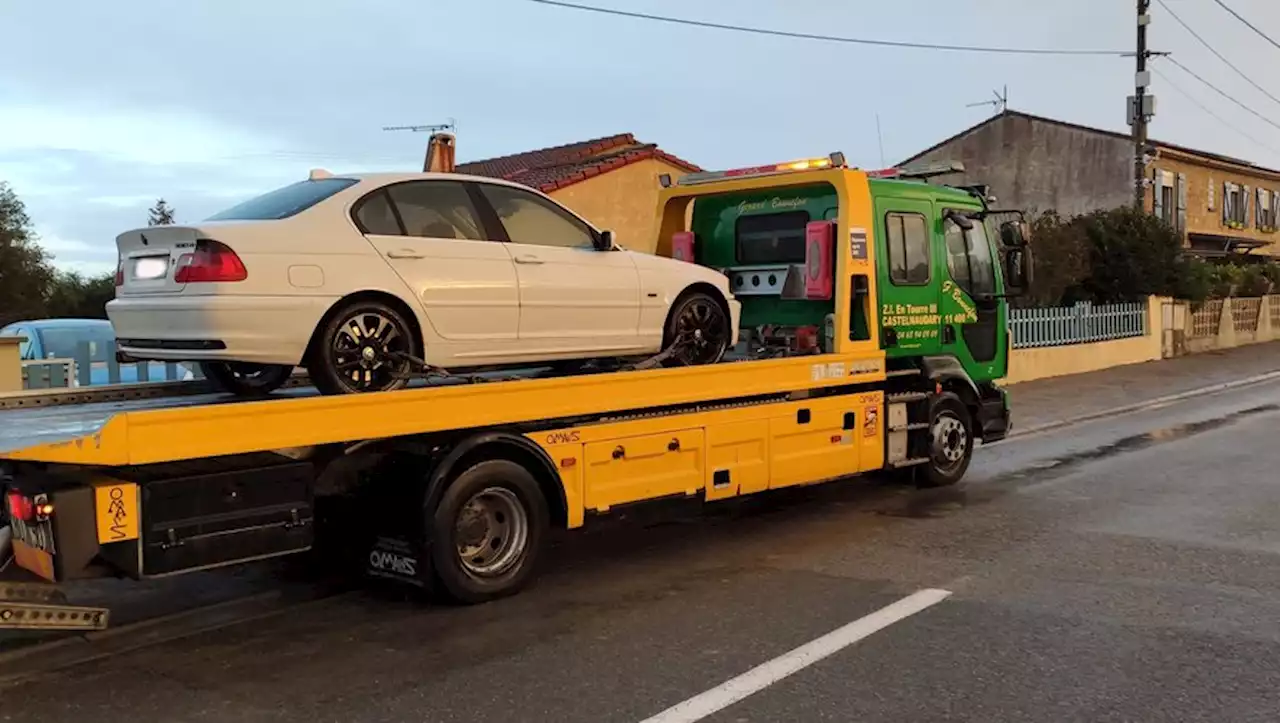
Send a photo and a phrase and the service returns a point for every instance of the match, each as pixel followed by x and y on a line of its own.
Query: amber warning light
pixel 835 160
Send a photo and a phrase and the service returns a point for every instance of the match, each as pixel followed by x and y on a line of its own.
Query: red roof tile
pixel 548 169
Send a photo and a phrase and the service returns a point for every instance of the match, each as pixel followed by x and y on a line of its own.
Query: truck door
pixel 907 281
pixel 973 318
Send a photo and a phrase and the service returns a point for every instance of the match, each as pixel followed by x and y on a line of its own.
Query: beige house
pixel 612 182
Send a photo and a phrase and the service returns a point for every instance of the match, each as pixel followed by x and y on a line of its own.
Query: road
pixel 1120 570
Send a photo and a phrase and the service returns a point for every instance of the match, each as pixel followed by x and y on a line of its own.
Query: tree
pixel 160 214
pixel 73 296
pixel 25 273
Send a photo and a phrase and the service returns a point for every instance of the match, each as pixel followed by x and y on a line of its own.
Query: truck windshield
pixel 284 202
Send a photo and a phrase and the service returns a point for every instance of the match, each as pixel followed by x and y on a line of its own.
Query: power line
pixel 1208 111
pixel 828 38
pixel 1220 56
pixel 1222 93
pixel 1248 24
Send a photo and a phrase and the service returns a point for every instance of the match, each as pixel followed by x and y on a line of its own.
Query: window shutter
pixel 1226 202
pixel 1157 187
pixel 1210 193
pixel 1244 212
pixel 1180 193
pixel 1275 209
pixel 1257 207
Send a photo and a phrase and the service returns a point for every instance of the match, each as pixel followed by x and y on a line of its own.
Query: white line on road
pixel 766 674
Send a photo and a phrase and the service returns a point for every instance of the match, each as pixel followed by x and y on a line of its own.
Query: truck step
pixel 906 397
pixel 912 462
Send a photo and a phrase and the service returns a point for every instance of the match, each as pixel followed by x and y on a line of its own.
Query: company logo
pixel 383 561
pixel 564 437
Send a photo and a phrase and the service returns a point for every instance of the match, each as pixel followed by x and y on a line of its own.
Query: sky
pixel 105 107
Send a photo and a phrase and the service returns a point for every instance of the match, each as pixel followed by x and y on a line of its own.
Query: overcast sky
pixel 105 106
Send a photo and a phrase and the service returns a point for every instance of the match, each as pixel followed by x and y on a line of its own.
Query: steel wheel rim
pixel 491 532
pixel 703 329
pixel 950 440
pixel 367 351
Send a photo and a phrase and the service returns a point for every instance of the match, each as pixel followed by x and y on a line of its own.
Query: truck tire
pixel 246 380
pixel 950 442
pixel 488 532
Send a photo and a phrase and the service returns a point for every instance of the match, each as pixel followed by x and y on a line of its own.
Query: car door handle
pixel 528 260
pixel 403 254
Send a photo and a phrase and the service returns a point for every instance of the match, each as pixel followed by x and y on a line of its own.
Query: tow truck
pixel 874 337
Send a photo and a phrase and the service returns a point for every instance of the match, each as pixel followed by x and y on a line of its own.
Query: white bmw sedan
pixel 352 276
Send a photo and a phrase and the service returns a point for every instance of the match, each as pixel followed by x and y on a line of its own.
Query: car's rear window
pixel 284 202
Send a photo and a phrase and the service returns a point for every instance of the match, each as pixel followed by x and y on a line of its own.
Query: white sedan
pixel 351 275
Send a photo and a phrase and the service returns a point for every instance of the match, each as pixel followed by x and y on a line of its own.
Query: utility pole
pixel 1141 107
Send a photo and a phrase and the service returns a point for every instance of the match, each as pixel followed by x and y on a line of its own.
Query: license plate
pixel 151 267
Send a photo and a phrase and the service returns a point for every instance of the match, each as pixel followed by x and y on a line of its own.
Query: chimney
pixel 439 153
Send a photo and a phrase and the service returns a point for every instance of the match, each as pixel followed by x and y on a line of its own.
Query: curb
pixel 1146 404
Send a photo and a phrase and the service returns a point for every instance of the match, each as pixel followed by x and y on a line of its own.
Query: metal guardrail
pixel 1080 324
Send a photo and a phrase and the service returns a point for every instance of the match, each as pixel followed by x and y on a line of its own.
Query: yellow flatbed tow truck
pixel 455 486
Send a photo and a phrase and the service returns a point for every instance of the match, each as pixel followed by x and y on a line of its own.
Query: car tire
pixel 950 442
pixel 339 357
pixel 488 533
pixel 702 316
pixel 244 379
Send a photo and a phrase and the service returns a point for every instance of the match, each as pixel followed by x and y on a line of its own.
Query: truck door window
pixel 969 258
pixel 907 237
pixel 773 238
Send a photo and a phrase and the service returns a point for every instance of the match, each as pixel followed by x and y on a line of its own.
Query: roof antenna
pixel 999 105
pixel 880 138
pixel 440 146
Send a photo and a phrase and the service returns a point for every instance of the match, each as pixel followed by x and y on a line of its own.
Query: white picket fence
pixel 1082 323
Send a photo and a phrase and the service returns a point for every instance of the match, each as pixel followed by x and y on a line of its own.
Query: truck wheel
pixel 950 442
pixel 488 532
pixel 247 380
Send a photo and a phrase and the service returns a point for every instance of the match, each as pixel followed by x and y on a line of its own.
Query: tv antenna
pixel 998 105
pixel 450 126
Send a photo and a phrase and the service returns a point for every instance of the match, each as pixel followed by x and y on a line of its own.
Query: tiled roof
pixel 548 169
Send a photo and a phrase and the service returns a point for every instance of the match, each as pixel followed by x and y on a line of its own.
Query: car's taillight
pixel 212 262
pixel 120 273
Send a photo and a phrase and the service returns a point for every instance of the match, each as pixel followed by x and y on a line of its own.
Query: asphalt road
pixel 1121 570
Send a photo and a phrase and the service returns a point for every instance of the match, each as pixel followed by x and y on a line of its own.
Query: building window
pixel 1167 207
pixel 1235 205
pixel 1266 209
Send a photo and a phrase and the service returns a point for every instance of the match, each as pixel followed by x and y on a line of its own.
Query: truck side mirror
pixel 1017 270
pixel 1013 234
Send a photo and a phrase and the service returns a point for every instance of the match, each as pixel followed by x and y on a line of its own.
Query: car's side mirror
pixel 604 241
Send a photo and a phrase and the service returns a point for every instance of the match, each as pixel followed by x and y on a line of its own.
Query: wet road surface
pixel 1126 569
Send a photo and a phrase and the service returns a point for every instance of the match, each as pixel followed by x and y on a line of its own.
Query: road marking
pixel 766 674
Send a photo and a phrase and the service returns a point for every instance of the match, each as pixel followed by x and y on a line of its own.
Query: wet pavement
pixel 1122 569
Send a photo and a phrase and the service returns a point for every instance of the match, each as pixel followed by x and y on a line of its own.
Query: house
pixel 1223 206
pixel 612 182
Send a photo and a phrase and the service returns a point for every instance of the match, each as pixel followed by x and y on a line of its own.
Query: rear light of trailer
pixel 212 262
pixel 819 256
pixel 21 507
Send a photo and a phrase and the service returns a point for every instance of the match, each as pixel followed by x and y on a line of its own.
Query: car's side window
pixel 531 219
pixel 374 215
pixel 436 209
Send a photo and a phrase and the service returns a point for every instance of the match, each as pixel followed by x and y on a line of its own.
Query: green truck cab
pixel 943 265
